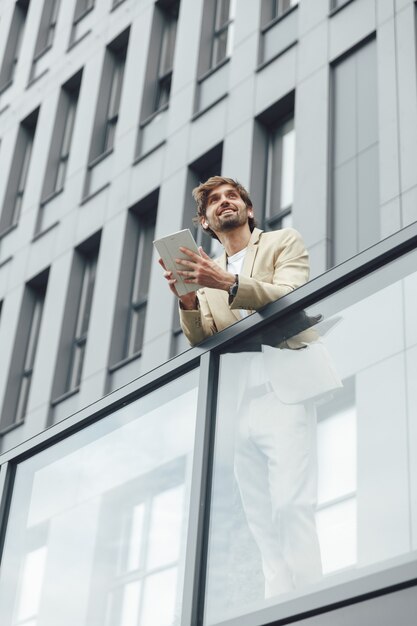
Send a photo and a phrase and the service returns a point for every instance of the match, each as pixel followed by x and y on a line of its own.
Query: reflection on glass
pixel 337 455
pixel 135 541
pixel 166 519
pixel 98 522
pixel 159 601
pixel 31 589
pixel 314 481
pixel 337 529
pixel 130 607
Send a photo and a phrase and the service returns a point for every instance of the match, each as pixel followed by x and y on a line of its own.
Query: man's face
pixel 225 209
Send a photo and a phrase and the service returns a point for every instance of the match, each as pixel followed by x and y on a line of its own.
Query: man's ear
pixel 204 223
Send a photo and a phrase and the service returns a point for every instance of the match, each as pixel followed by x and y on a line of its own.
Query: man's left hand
pixel 202 270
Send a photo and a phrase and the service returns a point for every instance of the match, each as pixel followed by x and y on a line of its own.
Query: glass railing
pixel 254 478
pixel 98 522
pixel 315 456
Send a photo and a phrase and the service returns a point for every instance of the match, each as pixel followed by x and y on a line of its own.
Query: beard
pixel 230 222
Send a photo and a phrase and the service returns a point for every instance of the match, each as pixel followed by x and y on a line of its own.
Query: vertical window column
pixel 216 47
pixel 223 31
pixel 132 295
pixel 18 172
pixel 281 7
pixel 107 112
pixel 166 58
pixel 46 33
pixel 24 352
pixel 273 170
pixel 355 163
pixel 279 184
pixel 61 138
pixel 14 44
pixel 79 28
pixel 106 115
pixel 279 28
pixel 158 79
pixel 140 285
pixel 74 334
pixel 79 341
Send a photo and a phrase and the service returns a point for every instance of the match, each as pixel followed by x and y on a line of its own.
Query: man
pixel 275 460
pixel 255 269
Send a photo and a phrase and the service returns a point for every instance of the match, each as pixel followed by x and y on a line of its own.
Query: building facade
pixel 111 111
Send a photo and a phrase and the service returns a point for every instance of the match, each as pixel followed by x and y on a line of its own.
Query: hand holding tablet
pixel 169 249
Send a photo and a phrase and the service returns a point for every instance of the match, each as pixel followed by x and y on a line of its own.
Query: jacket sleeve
pixel 290 270
pixel 198 324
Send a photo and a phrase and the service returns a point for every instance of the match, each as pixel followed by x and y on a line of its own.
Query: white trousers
pixel 276 470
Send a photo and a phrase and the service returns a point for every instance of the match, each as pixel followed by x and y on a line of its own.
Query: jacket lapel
pixel 251 253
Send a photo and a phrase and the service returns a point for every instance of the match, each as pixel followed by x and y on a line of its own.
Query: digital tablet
pixel 169 249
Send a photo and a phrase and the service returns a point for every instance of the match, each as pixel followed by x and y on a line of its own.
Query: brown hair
pixel 201 193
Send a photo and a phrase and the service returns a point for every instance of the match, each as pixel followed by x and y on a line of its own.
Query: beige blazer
pixel 275 263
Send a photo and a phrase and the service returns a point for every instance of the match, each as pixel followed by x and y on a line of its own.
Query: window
pixel 336 4
pixel 216 45
pixel 81 8
pixel 140 285
pixel 24 352
pixel 107 112
pixel 132 297
pixel 216 42
pixel 223 31
pixel 47 27
pixel 160 58
pixel 272 184
pixel 280 7
pixel 14 44
pixel 148 519
pixel 166 58
pixel 82 321
pixel 61 138
pixel 277 34
pixel 356 220
pixel 19 172
pixel 279 184
pixel 69 365
pixel 81 24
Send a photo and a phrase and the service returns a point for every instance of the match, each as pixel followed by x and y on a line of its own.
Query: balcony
pixel 268 475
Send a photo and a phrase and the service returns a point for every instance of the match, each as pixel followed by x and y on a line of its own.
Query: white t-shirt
pixel 234 266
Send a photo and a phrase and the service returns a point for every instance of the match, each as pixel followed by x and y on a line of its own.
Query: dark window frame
pixel 19 172
pixel 107 110
pixel 24 352
pixel 14 44
pixel 219 28
pixel 47 29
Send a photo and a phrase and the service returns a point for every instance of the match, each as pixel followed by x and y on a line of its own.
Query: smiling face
pixel 225 209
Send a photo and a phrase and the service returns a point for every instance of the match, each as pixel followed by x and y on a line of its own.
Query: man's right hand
pixel 189 300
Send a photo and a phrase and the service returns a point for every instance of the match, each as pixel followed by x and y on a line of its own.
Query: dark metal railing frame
pixel 206 356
